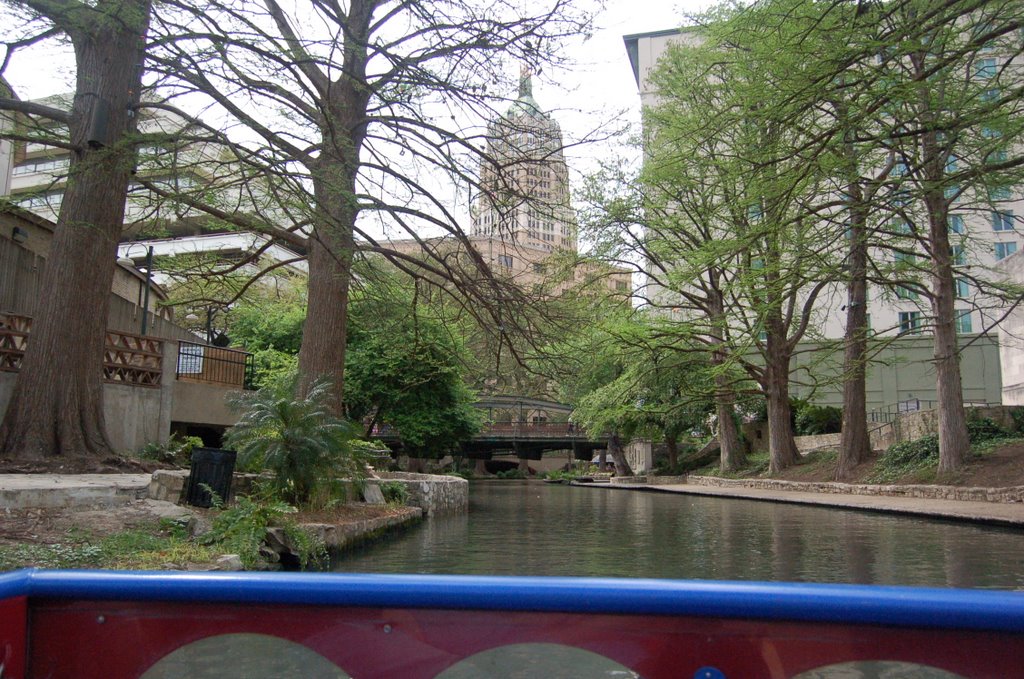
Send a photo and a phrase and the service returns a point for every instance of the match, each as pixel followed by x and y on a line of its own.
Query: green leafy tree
pixel 405 368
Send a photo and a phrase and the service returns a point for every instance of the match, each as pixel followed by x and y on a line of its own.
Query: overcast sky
pixel 599 87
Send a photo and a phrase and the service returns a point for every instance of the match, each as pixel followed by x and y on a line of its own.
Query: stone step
pixel 21 491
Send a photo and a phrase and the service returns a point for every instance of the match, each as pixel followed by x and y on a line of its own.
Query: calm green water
pixel 532 528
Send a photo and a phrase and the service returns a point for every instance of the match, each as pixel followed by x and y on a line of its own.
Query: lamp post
pixel 125 260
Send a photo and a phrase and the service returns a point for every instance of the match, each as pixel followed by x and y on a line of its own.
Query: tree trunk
pixel 57 404
pixel 322 353
pixel 480 467
pixel 954 442
pixel 672 446
pixel 855 444
pixel 732 455
pixel 618 456
pixel 782 450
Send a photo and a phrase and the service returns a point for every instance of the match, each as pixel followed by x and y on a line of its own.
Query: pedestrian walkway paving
pixel 20 491
pixel 1007 513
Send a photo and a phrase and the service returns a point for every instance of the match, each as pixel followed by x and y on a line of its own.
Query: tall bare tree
pixel 57 405
pixel 351 111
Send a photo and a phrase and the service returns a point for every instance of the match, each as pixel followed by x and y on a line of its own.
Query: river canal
pixel 532 528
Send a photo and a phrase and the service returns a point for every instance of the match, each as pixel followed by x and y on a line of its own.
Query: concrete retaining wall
pixel 432 493
pixel 934 492
pixel 805 444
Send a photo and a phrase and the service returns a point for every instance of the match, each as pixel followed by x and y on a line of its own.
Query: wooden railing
pixel 133 359
pixel 14 331
pixel 127 359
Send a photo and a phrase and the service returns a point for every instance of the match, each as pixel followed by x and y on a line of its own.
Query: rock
pixel 372 494
pixel 229 562
pixel 269 555
pixel 198 525
pixel 277 541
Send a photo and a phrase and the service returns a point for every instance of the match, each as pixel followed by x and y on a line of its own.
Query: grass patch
pixel 142 548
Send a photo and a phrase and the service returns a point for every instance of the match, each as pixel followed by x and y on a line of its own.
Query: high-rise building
pixel 524 182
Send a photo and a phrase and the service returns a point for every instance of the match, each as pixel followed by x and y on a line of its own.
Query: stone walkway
pixel 1008 513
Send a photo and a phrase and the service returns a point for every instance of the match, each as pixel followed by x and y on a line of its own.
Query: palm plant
pixel 298 439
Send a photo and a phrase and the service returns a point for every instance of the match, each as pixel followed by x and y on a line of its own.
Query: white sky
pixel 591 94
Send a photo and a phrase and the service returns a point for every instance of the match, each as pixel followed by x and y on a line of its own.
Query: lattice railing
pixel 127 359
pixel 14 330
pixel 133 359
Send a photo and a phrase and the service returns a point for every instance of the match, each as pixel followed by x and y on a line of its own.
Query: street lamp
pixel 125 260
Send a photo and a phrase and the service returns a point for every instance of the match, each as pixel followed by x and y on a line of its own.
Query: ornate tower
pixel 525 182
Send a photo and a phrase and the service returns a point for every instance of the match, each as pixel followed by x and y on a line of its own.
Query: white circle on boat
pixel 877 669
pixel 551 661
pixel 244 656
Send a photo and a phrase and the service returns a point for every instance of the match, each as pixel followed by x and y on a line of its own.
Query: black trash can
pixel 211 467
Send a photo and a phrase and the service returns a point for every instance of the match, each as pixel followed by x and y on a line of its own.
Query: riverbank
pixel 989 489
pixel 151 534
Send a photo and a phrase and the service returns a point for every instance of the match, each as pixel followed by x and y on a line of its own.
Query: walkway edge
pixel 1005 514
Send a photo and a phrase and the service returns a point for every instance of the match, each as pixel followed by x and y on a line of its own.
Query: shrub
pixel 907 457
pixel 394 492
pixel 811 420
pixel 242 529
pixel 984 429
pixel 299 439
pixel 511 474
pixel 177 450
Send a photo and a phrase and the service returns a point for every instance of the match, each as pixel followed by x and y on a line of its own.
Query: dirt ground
pixel 82 465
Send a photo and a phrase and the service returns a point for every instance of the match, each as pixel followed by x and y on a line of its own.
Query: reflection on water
pixel 521 528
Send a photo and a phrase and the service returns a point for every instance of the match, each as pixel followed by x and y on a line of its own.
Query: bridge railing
pixel 509 430
pixel 532 430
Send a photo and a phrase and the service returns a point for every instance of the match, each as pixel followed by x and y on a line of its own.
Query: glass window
pixel 997 156
pixel 963 321
pixel 1004 250
pixel 990 95
pixel 985 68
pixel 910 322
pixel 957 253
pixel 963 288
pixel 1002 220
pixel 999 193
pixel 956 223
pixel 505 261
pixel 903 292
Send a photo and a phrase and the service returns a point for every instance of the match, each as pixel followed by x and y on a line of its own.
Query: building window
pixel 985 68
pixel 956 223
pixel 621 285
pixel 956 253
pixel 903 292
pixel 999 193
pixel 989 95
pixel 910 322
pixel 505 261
pixel 1004 250
pixel 50 199
pixel 40 165
pixel 963 321
pixel 996 157
pixel 1002 220
pixel 962 288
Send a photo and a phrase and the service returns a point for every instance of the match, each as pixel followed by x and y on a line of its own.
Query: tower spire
pixel 525 81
